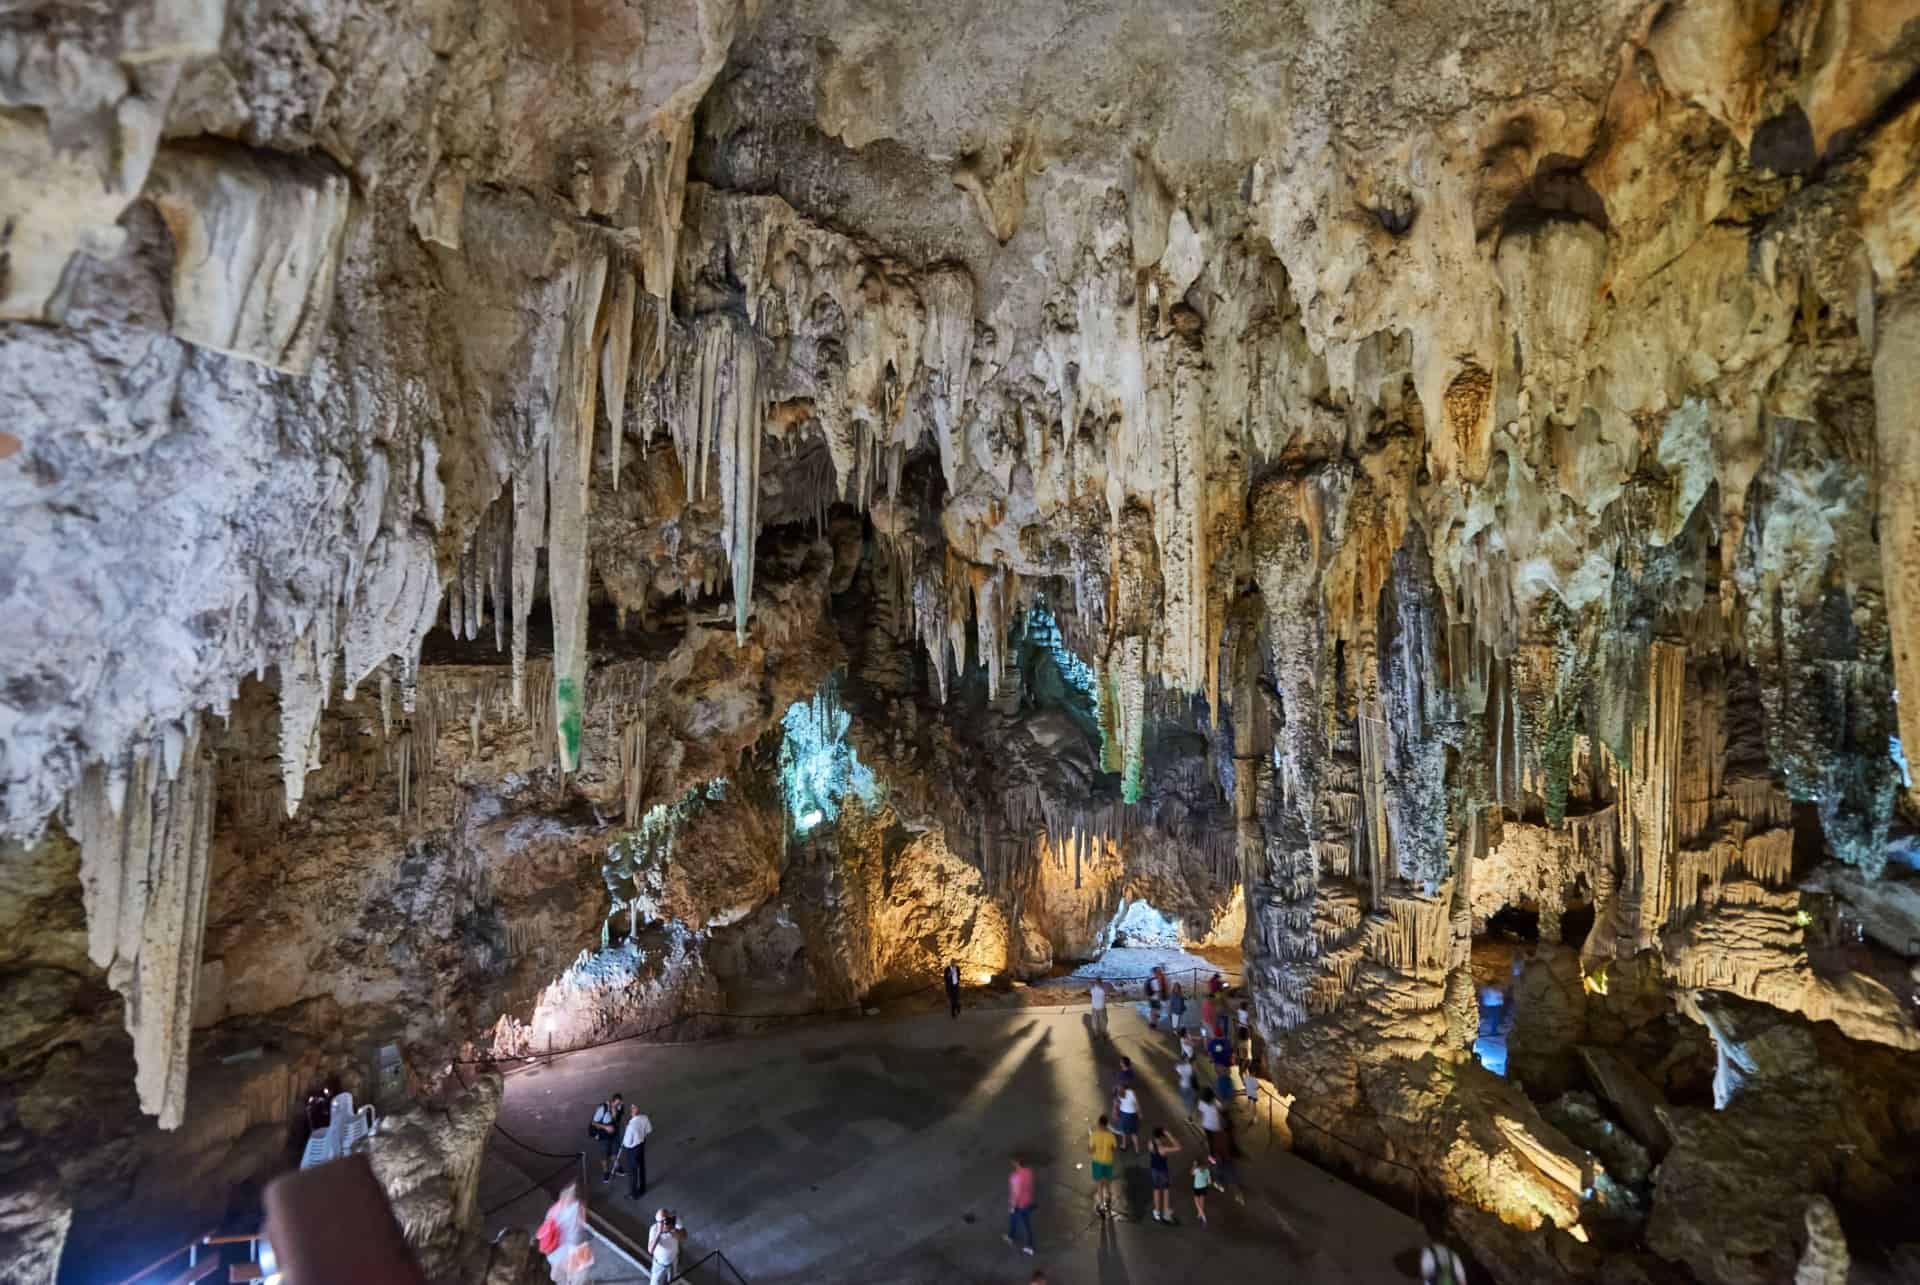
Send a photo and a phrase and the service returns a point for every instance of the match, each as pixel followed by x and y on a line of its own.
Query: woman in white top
pixel 570 1261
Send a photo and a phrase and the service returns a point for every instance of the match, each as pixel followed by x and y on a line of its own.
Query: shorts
pixel 1161 1179
pixel 1101 1173
pixel 1129 1124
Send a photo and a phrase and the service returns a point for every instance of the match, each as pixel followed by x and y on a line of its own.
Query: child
pixel 1162 1146
pixel 1202 1179
pixel 1100 1147
pixel 1127 1105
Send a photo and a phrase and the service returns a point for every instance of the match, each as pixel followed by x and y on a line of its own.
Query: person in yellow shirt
pixel 1100 1145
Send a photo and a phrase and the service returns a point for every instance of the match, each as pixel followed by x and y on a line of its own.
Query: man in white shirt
pixel 633 1149
pixel 1097 993
pixel 1209 1114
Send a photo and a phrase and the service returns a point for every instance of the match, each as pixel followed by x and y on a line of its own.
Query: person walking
pixel 563 1239
pixel 1020 1203
pixel 1215 985
pixel 1097 996
pixel 1127 1104
pixel 1177 1011
pixel 1189 1090
pixel 953 987
pixel 1202 1179
pixel 605 1130
pixel 1155 985
pixel 1100 1148
pixel 1243 1036
pixel 633 1150
pixel 663 1247
pixel 1159 1147
pixel 1209 1009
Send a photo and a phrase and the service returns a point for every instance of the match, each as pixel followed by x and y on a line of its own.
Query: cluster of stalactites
pixel 143 825
pixel 717 426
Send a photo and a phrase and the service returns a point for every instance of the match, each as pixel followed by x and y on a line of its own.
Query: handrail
pixel 162 1261
pixel 191 1248
pixel 701 1262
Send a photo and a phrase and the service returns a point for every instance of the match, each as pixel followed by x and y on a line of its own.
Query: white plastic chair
pixel 358 1125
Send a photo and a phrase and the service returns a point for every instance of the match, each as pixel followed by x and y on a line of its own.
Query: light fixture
pixel 811 819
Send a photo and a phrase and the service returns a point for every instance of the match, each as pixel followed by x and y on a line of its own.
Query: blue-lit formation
pixel 817 767
pixel 1045 631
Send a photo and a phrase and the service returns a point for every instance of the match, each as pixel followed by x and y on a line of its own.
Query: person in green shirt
pixel 1202 1179
pixel 1100 1146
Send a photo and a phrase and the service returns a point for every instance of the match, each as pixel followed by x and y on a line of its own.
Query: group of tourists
pixel 622 1132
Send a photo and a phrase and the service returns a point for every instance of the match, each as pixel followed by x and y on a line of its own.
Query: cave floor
pixel 877 1150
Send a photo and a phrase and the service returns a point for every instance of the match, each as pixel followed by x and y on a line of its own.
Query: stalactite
pixel 1371 734
pixel 721 417
pixel 616 356
pixel 304 687
pixel 569 486
pixel 143 832
pixel 529 530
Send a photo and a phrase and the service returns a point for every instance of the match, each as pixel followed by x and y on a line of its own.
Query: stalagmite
pixel 569 480
pixel 143 872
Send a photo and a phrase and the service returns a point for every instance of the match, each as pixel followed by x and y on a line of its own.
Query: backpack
pixel 1443 1261
pixel 593 1133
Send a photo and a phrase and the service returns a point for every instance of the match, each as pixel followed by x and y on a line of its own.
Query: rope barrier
pixel 538 1184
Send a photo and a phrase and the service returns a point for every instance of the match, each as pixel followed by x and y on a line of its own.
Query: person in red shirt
pixel 1020 1204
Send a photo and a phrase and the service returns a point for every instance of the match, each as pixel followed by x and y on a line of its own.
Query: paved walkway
pixel 876 1151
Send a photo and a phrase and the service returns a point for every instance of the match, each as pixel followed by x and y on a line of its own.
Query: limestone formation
pixel 530 523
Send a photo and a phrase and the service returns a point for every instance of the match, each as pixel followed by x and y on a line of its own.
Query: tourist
pixel 1189 1090
pixel 1156 988
pixel 1097 995
pixel 634 1151
pixel 1100 1148
pixel 1223 1086
pixel 1020 1203
pixel 663 1246
pixel 1215 986
pixel 562 1237
pixel 1209 1111
pixel 1209 1009
pixel 1127 1104
pixel 1177 1010
pixel 1159 1147
pixel 1123 1079
pixel 953 987
pixel 1189 1045
pixel 605 1129
pixel 1243 1033
pixel 1202 1179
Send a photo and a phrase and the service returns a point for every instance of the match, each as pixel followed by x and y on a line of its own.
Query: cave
pixel 557 549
